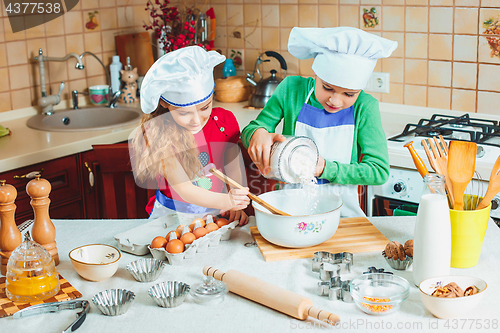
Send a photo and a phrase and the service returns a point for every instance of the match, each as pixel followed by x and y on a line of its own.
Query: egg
pixel 188 238
pixel 211 227
pixel 201 221
pixel 180 228
pixel 158 242
pixel 171 234
pixel 221 222
pixel 175 246
pixel 200 232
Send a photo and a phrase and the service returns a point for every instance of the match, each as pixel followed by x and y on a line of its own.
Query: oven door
pixel 401 191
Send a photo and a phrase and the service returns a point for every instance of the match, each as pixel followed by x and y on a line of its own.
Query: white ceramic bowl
pixel 315 217
pixel 95 262
pixel 447 308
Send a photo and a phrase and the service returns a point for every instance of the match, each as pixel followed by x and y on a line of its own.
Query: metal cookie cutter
pixel 346 291
pixel 327 271
pixel 323 288
pixel 335 292
pixel 373 269
pixel 344 259
pixel 319 258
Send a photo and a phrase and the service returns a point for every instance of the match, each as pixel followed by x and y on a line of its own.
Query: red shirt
pixel 221 130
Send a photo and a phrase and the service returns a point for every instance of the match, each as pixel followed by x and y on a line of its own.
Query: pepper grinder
pixel 10 236
pixel 43 231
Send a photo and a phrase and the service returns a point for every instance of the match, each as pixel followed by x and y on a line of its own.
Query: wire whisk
pixel 474 192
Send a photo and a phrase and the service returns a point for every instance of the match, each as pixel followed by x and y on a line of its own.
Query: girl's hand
pixel 259 148
pixel 236 215
pixel 320 167
pixel 236 199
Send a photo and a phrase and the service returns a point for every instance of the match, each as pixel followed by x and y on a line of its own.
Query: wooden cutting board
pixel 138 47
pixel 355 235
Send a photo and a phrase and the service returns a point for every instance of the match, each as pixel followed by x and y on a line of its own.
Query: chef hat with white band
pixel 181 78
pixel 343 56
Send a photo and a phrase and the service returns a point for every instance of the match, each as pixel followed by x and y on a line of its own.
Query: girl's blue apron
pixel 164 206
pixel 333 134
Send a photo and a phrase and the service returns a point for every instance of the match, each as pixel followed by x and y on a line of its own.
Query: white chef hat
pixel 343 56
pixel 181 78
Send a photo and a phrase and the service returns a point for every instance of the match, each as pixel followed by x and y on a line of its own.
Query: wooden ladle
pixel 255 198
pixel 493 187
pixel 461 167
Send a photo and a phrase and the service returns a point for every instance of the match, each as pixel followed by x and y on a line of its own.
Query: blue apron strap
pixel 180 206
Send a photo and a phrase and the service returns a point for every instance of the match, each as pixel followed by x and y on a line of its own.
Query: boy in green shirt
pixel 331 109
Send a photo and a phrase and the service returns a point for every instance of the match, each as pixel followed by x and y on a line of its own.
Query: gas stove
pixel 486 133
pixel 405 185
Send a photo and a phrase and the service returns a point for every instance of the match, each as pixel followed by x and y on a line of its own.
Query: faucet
pixel 47 102
pixel 114 95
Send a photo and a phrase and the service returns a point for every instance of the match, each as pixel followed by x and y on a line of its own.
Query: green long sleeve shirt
pixel 369 140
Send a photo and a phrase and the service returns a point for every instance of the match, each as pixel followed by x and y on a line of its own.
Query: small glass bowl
pixel 379 293
pixel 146 270
pixel 169 294
pixel 113 302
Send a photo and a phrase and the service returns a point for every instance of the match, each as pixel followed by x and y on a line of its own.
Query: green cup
pixel 99 95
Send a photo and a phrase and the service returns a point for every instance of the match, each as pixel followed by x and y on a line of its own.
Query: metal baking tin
pixel 344 259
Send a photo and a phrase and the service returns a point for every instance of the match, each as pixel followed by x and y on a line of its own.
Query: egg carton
pixel 200 245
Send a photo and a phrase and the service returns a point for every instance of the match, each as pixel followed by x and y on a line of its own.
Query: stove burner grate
pixel 461 128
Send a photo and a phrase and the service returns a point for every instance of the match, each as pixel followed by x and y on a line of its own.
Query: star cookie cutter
pixel 344 259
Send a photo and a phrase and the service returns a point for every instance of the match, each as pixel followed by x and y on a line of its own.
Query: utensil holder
pixel 468 228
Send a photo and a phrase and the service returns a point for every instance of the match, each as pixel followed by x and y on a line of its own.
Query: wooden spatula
pixel 493 187
pixel 255 198
pixel 461 166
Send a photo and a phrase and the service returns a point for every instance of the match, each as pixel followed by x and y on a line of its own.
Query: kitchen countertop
pixel 28 146
pixel 237 313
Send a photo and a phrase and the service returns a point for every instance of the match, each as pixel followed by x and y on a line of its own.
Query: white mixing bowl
pixel 315 217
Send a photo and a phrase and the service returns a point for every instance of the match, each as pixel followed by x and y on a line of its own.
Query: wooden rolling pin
pixel 270 295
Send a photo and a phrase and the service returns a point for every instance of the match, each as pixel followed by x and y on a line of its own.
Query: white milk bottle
pixel 432 239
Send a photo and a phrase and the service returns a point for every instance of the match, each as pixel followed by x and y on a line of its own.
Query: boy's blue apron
pixel 164 206
pixel 333 134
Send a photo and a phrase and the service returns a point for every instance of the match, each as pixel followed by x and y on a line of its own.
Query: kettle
pixel 265 87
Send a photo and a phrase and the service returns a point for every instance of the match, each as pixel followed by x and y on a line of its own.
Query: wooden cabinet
pixel 91 185
pixel 65 197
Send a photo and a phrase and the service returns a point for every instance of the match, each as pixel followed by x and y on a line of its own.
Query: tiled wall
pixel 443 59
pixel 19 76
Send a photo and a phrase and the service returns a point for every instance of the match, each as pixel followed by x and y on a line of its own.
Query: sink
pixel 86 119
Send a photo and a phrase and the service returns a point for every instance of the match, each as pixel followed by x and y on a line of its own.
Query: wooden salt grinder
pixel 10 236
pixel 43 231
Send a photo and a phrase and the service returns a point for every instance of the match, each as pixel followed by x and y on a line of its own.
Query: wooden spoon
pixel 461 166
pixel 255 198
pixel 493 187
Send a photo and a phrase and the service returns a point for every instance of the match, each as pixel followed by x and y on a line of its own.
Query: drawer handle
pixel 31 174
pixel 91 175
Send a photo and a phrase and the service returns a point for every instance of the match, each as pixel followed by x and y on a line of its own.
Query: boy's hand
pixel 259 148
pixel 236 215
pixel 320 167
